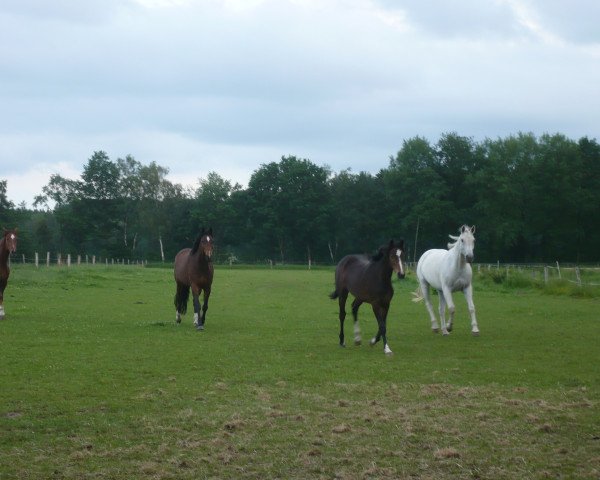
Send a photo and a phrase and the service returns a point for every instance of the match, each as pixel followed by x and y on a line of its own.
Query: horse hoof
pixel 342 345
pixel 372 342
pixel 475 334
pixel 389 354
pixel 450 328
pixel 446 334
pixel 357 342
pixel 435 330
pixel 200 328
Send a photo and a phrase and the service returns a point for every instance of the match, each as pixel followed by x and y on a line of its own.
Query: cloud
pixel 227 85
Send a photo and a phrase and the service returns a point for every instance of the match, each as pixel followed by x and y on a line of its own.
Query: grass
pixel 97 381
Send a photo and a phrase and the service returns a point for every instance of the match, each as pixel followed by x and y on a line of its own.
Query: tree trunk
pixel 162 253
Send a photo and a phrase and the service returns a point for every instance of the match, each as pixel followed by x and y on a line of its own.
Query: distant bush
pixel 527 279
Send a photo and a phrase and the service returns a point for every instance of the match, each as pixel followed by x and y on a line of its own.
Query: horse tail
pixel 417 295
pixel 181 298
pixel 333 295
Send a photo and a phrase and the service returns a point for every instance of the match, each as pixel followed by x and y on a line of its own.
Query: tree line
pixel 533 199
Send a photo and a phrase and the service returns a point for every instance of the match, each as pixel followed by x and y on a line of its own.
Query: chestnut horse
pixel 8 245
pixel 194 268
pixel 369 280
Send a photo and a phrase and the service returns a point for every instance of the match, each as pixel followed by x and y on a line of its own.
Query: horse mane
pixel 453 244
pixel 381 251
pixel 196 245
pixel 378 255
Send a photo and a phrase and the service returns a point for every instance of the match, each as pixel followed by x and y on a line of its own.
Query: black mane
pixel 196 245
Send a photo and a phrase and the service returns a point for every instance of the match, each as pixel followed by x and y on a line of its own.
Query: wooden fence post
pixel 558 268
pixel 37 260
pixel 578 276
pixel 78 260
pixel 47 259
pixel 545 274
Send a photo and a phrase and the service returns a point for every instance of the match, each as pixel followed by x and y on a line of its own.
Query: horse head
pixel 206 242
pixel 397 256
pixel 394 252
pixel 10 240
pixel 465 243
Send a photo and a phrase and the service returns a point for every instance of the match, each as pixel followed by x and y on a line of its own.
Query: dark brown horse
pixel 369 280
pixel 194 268
pixel 8 245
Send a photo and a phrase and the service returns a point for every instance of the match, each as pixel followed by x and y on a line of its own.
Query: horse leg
pixel 196 301
pixel 442 312
pixel 380 312
pixel 3 282
pixel 355 304
pixel 342 302
pixel 425 290
pixel 205 306
pixel 450 303
pixel 468 291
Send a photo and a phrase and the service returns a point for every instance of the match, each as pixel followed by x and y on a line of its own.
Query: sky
pixel 228 85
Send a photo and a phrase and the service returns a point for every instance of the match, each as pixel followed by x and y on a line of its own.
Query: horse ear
pixel 210 231
pixel 401 244
pixel 391 245
pixel 473 229
pixel 463 228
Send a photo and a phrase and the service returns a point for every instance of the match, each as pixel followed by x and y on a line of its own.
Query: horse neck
pixel 458 260
pixel 3 252
pixel 202 258
pixel 383 267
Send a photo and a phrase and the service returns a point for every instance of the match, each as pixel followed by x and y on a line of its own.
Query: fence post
pixel 558 268
pixel 93 259
pixel 545 274
pixel 78 260
pixel 69 260
pixel 578 276
pixel 37 260
pixel 58 259
pixel 47 259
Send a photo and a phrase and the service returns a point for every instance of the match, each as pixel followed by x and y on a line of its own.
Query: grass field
pixel 97 381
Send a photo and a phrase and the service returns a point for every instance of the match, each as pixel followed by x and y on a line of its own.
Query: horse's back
pixel 180 270
pixel 429 266
pixel 437 268
pixel 353 274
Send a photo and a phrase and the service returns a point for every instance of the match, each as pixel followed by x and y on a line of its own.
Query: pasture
pixel 97 381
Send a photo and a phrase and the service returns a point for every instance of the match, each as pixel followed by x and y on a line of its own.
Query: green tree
pixel 289 208
pixel 5 204
pixel 418 196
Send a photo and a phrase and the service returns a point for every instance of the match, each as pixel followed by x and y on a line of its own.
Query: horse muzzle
pixel 469 258
pixel 401 275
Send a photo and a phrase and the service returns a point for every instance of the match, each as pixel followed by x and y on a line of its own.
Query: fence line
pixel 68 260
pixel 545 271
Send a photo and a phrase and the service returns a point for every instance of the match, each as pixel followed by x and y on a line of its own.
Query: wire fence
pixel 572 273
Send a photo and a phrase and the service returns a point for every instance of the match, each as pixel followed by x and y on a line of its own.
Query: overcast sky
pixel 227 85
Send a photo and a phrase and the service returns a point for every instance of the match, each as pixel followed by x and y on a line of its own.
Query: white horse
pixel 448 271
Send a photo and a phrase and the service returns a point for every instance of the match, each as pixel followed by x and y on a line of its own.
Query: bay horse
pixel 448 271
pixel 194 269
pixel 8 245
pixel 368 279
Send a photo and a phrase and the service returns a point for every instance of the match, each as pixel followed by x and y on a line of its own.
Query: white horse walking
pixel 448 271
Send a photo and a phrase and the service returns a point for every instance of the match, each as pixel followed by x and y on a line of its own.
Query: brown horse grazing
pixel 369 280
pixel 194 268
pixel 8 245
